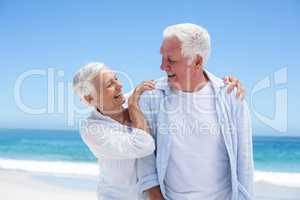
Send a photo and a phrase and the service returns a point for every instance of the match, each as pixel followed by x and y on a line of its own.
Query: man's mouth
pixel 170 75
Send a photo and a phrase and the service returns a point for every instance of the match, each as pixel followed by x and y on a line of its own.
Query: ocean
pixel 63 152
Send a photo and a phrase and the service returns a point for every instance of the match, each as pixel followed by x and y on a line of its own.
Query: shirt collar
pixel 217 83
pixel 95 115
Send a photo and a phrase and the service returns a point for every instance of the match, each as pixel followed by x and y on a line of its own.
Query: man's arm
pixel 245 165
pixel 146 167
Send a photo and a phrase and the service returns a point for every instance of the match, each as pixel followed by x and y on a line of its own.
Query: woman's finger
pixel 145 85
pixel 231 86
pixel 151 82
pixel 151 85
pixel 226 79
pixel 240 91
pixel 238 86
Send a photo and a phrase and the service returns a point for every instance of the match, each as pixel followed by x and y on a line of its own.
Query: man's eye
pixel 171 61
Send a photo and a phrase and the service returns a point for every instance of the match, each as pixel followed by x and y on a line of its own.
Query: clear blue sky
pixel 250 39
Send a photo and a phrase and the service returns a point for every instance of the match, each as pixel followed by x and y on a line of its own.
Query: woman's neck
pixel 121 116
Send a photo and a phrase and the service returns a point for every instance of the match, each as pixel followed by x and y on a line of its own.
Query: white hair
pixel 82 85
pixel 194 39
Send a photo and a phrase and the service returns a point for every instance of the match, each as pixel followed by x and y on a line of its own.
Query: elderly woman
pixel 116 135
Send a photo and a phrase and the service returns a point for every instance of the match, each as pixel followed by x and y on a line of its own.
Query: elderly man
pixel 203 134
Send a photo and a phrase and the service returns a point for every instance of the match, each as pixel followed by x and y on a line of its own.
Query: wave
pixel 52 167
pixel 91 169
pixel 278 178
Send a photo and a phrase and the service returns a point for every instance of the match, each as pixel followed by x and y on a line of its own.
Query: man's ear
pixel 88 99
pixel 198 61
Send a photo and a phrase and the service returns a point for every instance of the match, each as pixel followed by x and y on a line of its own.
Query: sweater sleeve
pixel 116 142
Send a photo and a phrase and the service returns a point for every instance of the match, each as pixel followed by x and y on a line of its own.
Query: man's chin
pixel 172 81
pixel 174 85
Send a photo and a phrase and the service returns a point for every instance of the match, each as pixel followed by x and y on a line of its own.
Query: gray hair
pixel 195 40
pixel 82 85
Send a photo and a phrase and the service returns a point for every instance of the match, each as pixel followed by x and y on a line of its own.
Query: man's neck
pixel 197 82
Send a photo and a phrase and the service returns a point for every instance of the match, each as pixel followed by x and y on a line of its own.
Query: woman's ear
pixel 88 99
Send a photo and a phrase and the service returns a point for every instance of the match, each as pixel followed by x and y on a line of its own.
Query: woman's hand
pixel 233 82
pixel 134 98
pixel 135 114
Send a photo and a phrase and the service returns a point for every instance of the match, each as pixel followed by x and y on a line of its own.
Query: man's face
pixel 175 64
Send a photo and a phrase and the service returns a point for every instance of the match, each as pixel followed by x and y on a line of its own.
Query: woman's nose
pixel 119 85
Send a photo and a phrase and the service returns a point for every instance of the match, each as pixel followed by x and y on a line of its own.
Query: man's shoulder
pixel 160 90
pixel 231 101
pixel 151 99
pixel 153 93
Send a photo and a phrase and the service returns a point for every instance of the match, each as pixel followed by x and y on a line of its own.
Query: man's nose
pixel 163 65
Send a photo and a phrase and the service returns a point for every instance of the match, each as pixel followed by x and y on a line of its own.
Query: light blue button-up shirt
pixel 234 119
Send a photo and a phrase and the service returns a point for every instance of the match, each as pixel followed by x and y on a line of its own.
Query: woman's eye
pixel 108 85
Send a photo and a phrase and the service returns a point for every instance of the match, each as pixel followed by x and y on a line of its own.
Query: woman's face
pixel 107 96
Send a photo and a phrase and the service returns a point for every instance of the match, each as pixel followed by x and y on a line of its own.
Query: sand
pixel 17 185
pixel 21 185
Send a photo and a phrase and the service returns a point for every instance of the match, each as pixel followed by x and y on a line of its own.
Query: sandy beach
pixel 22 185
pixel 268 191
pixel 16 185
